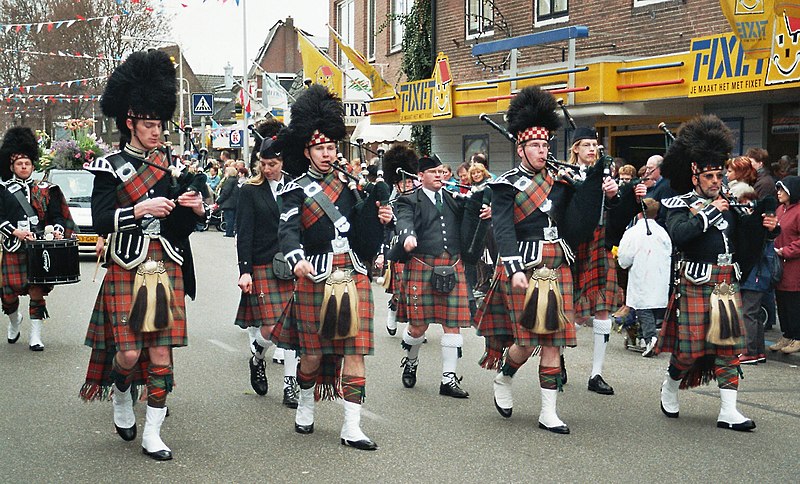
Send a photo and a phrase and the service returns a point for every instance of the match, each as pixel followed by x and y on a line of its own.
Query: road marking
pixel 222 345
pixel 365 413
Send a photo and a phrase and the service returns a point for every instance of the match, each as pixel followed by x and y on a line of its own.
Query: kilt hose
pixel 15 284
pixel 497 319
pixel 268 298
pixel 597 286
pixel 683 332
pixel 109 333
pixel 426 306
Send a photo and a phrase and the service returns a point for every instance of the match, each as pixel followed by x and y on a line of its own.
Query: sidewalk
pixel 770 337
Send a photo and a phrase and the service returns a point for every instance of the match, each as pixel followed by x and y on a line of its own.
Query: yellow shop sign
pixel 428 99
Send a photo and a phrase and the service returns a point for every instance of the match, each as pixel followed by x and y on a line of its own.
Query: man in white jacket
pixel 648 257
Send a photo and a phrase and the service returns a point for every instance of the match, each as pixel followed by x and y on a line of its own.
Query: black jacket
pixel 229 194
pixel 257 218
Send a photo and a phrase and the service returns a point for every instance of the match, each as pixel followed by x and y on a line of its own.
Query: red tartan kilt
pixel 502 306
pixel 15 274
pixel 266 301
pixel 396 290
pixel 426 306
pixel 685 335
pixel 306 307
pixel 114 302
pixel 598 287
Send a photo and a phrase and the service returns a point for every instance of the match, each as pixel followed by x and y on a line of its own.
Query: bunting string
pixel 51 25
pixel 61 53
pixel 70 83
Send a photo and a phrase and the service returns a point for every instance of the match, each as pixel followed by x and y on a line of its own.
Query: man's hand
pixel 410 243
pixel 192 200
pixel 385 213
pixel 519 281
pixel 246 283
pixel 486 212
pixel 720 204
pixel 770 221
pixel 303 269
pixel 640 191
pixel 24 235
pixel 157 207
pixel 379 262
pixel 610 187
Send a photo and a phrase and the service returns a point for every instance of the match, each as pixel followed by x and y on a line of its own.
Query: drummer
pixel 28 210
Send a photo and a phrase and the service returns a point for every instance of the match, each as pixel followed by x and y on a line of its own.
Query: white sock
pixel 451 344
pixel 290 363
pixel 415 343
pixel 263 343
pixel 602 328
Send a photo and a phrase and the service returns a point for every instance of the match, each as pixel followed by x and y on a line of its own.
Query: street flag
pixel 380 88
pixel 756 24
pixel 318 67
pixel 273 95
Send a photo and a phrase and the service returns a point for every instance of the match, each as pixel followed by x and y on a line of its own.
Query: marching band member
pixel 703 328
pixel 325 233
pixel 535 217
pixel 431 230
pixel 140 312
pixel 26 207
pixel 266 281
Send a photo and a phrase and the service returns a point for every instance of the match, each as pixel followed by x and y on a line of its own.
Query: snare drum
pixel 53 261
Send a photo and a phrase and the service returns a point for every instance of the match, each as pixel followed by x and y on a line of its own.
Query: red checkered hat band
pixel 697 169
pixel 17 156
pixel 318 138
pixel 534 132
pixel 134 115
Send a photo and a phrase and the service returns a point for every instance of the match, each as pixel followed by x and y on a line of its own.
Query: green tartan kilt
pixel 684 330
pixel 597 287
pixel 300 326
pixel 396 289
pixel 266 301
pixel 426 306
pixel 497 318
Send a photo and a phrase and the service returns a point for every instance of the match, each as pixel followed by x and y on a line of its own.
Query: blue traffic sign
pixel 202 104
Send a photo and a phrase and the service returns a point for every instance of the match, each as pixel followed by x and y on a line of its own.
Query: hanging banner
pixel 428 99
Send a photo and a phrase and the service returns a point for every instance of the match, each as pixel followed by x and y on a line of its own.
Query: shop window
pixel 345 26
pixel 371 29
pixel 644 3
pixel 480 18
pixel 551 11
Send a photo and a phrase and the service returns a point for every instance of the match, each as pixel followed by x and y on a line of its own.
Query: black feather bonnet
pixel 317 117
pixel 532 115
pixel 142 87
pixel 396 158
pixel 18 142
pixel 703 143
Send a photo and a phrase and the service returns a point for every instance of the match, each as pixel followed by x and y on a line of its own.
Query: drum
pixel 53 261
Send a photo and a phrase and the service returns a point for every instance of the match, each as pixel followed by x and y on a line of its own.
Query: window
pixel 480 17
pixel 642 3
pixel 550 11
pixel 346 26
pixel 399 8
pixel 370 29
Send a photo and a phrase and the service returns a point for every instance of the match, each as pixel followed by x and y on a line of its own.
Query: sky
pixel 210 32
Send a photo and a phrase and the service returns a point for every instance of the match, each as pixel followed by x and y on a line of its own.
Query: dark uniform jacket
pixel 436 232
pixel 257 220
pixel 45 199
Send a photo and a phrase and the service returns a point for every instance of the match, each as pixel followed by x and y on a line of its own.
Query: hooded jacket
pixel 789 237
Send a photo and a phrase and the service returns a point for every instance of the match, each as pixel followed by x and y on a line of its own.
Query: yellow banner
pixel 380 88
pixel 428 99
pixel 320 68
pixel 752 22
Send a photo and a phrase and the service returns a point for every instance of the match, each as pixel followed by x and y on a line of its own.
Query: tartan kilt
pixel 107 333
pixel 266 301
pixel 299 326
pixel 15 274
pixel 426 306
pixel 683 332
pixel 496 318
pixel 396 290
pixel 597 286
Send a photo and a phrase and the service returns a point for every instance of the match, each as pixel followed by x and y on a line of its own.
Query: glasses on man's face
pixel 436 172
pixel 713 176
pixel 537 145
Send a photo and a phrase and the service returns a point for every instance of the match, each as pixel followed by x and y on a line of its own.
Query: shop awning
pixel 380 133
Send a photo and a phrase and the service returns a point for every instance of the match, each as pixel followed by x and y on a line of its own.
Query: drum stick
pixel 97 266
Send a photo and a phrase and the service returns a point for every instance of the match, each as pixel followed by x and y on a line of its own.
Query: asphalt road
pixel 220 431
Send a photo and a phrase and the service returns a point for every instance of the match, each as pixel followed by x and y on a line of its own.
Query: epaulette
pixel 292 185
pixel 508 178
pixel 102 164
pixel 680 201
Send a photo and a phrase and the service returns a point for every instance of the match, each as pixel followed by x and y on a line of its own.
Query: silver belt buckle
pixel 550 233
pixel 724 259
pixel 24 225
pixel 340 245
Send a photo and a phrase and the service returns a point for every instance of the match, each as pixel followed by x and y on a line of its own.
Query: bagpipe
pixel 181 180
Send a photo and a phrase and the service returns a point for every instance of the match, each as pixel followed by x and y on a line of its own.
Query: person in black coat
pixel 228 200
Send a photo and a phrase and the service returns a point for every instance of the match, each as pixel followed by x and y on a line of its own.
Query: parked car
pixel 76 185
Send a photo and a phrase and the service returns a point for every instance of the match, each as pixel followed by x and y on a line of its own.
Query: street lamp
pixel 128 38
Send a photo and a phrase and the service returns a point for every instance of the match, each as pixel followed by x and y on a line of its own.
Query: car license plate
pixel 87 239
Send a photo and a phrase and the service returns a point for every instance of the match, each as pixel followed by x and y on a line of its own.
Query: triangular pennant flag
pixel 39 28
pixel 70 22
pixel 18 28
pixel 50 26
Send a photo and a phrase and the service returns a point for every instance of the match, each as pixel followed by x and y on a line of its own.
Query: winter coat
pixel 648 257
pixel 789 238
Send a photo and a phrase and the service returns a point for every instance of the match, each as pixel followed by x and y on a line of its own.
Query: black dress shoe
pixel 11 341
pixel 409 373
pixel 35 347
pixel 126 434
pixel 745 426
pixel 290 397
pixel 561 429
pixel 258 376
pixel 158 455
pixel 598 385
pixel 452 388
pixel 304 429
pixel 365 444
pixel 671 414
pixel 504 412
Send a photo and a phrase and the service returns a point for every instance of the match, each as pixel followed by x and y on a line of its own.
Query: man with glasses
pixel 703 327
pixel 431 229
pixel 658 187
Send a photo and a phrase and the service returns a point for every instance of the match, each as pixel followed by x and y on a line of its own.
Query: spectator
pixel 463 176
pixel 658 187
pixel 626 174
pixel 648 258
pixel 753 290
pixel 228 199
pixel 764 184
pixel 784 167
pixel 741 177
pixel 787 246
pixel 478 174
pixel 213 179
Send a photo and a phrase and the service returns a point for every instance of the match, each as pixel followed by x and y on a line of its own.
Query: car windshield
pixel 76 185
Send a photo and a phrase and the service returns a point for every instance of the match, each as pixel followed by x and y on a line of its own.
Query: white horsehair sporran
pixel 339 311
pixel 152 298
pixel 543 311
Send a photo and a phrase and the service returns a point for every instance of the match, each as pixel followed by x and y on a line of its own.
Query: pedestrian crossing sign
pixel 202 104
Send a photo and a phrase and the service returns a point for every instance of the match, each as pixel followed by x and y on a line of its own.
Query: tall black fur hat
pixel 142 87
pixel 703 143
pixel 18 142
pixel 398 157
pixel 268 130
pixel 317 117
pixel 532 115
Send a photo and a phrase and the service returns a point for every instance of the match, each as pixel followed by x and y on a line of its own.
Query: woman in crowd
pixel 741 177
pixel 787 246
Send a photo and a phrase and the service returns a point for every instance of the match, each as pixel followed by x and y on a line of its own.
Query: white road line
pixel 222 345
